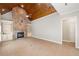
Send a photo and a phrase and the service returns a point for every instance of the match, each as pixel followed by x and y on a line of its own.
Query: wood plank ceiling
pixel 35 10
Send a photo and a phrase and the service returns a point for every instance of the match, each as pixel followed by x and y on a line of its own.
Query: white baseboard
pixel 67 41
pixel 77 47
pixel 48 40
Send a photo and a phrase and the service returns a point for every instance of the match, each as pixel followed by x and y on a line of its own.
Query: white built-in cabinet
pixel 6 30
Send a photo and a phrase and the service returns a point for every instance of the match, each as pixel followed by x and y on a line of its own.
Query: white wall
pixel 70 10
pixel 7 16
pixel 48 28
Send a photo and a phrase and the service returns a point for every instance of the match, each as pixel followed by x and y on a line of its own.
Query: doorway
pixel 69 31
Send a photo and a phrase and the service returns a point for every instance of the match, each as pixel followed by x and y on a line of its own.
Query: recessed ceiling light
pixel 27 15
pixel 22 5
pixel 3 9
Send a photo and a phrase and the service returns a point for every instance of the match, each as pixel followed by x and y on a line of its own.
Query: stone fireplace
pixel 20 22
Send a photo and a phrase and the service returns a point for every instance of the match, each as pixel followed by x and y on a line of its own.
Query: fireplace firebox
pixel 20 34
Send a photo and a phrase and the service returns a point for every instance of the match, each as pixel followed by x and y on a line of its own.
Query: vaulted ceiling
pixel 66 8
pixel 35 10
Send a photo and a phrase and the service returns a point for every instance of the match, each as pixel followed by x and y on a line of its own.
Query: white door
pixel 6 30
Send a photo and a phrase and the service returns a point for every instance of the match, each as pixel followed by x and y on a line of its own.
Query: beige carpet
pixel 36 47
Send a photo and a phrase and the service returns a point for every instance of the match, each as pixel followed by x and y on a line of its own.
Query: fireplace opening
pixel 20 34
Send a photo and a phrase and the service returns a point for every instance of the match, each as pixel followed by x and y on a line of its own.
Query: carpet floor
pixel 36 47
